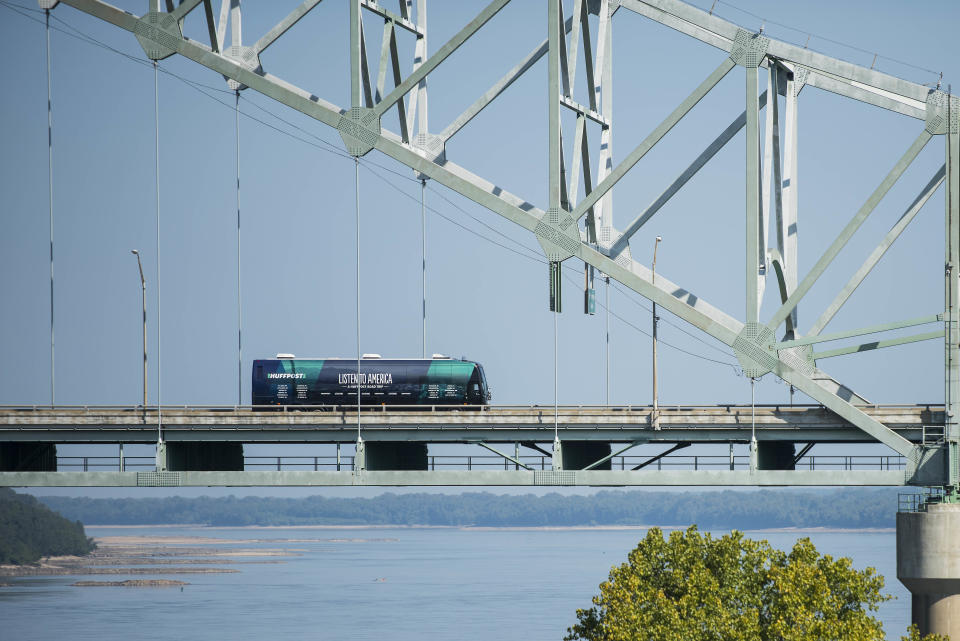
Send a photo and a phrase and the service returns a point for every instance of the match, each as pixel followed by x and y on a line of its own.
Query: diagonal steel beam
pixel 501 85
pixel 654 459
pixel 211 25
pixel 850 229
pixel 643 217
pixel 365 70
pixel 863 331
pixel 442 54
pixel 501 454
pixel 184 8
pixel 284 25
pixel 384 59
pixel 613 454
pixel 654 137
pixel 878 253
pixel 866 347
pixel 845 410
pixel 395 64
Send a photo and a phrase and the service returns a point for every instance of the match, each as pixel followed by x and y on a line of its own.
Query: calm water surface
pixel 439 584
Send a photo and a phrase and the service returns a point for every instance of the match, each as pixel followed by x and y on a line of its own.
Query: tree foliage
pixel 692 586
pixel 30 530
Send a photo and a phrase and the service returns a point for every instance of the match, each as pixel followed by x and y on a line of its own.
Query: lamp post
pixel 143 292
pixel 655 418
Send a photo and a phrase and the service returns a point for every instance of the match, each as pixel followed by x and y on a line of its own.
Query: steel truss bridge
pixel 576 223
pixel 581 429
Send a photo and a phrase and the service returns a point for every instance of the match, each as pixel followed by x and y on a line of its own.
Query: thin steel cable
pixel 201 88
pixel 356 182
pixel 423 266
pixel 556 409
pixel 156 122
pixel 239 290
pixel 753 414
pixel 607 306
pixel 633 300
pixel 50 196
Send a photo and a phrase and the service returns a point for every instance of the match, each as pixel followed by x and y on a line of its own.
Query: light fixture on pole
pixel 655 415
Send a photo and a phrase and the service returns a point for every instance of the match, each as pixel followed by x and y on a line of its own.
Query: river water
pixel 400 584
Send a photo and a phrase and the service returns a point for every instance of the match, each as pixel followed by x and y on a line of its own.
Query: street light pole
pixel 655 417
pixel 143 293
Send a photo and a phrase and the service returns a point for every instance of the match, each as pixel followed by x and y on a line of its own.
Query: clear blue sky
pixel 485 301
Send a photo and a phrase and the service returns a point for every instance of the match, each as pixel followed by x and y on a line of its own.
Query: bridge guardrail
pixel 490 461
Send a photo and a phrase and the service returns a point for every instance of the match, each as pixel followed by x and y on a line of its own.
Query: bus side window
pixel 259 372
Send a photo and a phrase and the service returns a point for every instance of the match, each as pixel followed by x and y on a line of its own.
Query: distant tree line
pixel 850 508
pixel 30 530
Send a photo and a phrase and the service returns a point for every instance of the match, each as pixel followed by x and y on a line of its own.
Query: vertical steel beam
pixel 787 223
pixel 770 187
pixel 753 198
pixel 952 293
pixel 418 98
pixel 603 93
pixel 236 32
pixel 553 91
pixel 355 35
pixel 222 22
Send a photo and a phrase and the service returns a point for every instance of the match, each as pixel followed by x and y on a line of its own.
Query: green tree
pixel 692 586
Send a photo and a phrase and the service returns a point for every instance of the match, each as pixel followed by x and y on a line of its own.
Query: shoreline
pixel 490 528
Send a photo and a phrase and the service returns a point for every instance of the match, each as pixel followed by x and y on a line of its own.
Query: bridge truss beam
pixel 557 227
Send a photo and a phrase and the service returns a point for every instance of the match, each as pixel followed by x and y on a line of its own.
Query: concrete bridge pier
pixel 928 564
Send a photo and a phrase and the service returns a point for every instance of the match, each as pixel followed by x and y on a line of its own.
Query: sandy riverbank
pixel 151 556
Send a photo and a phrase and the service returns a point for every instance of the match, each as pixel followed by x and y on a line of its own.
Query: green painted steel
pixel 451 478
pixel 866 347
pixel 555 226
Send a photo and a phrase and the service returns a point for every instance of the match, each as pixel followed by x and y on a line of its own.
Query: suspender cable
pixel 156 122
pixel 423 265
pixel 556 411
pixel 607 305
pixel 239 291
pixel 754 455
pixel 50 195
pixel 356 181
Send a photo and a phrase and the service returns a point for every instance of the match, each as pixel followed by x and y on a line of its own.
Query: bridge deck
pixel 695 424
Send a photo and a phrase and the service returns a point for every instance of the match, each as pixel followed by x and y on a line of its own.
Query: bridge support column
pixel 928 564
pixel 161 456
pixel 359 457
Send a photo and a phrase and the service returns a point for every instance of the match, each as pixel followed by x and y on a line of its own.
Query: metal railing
pixel 918 501
pixel 105 463
pixel 347 407
pixel 493 462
